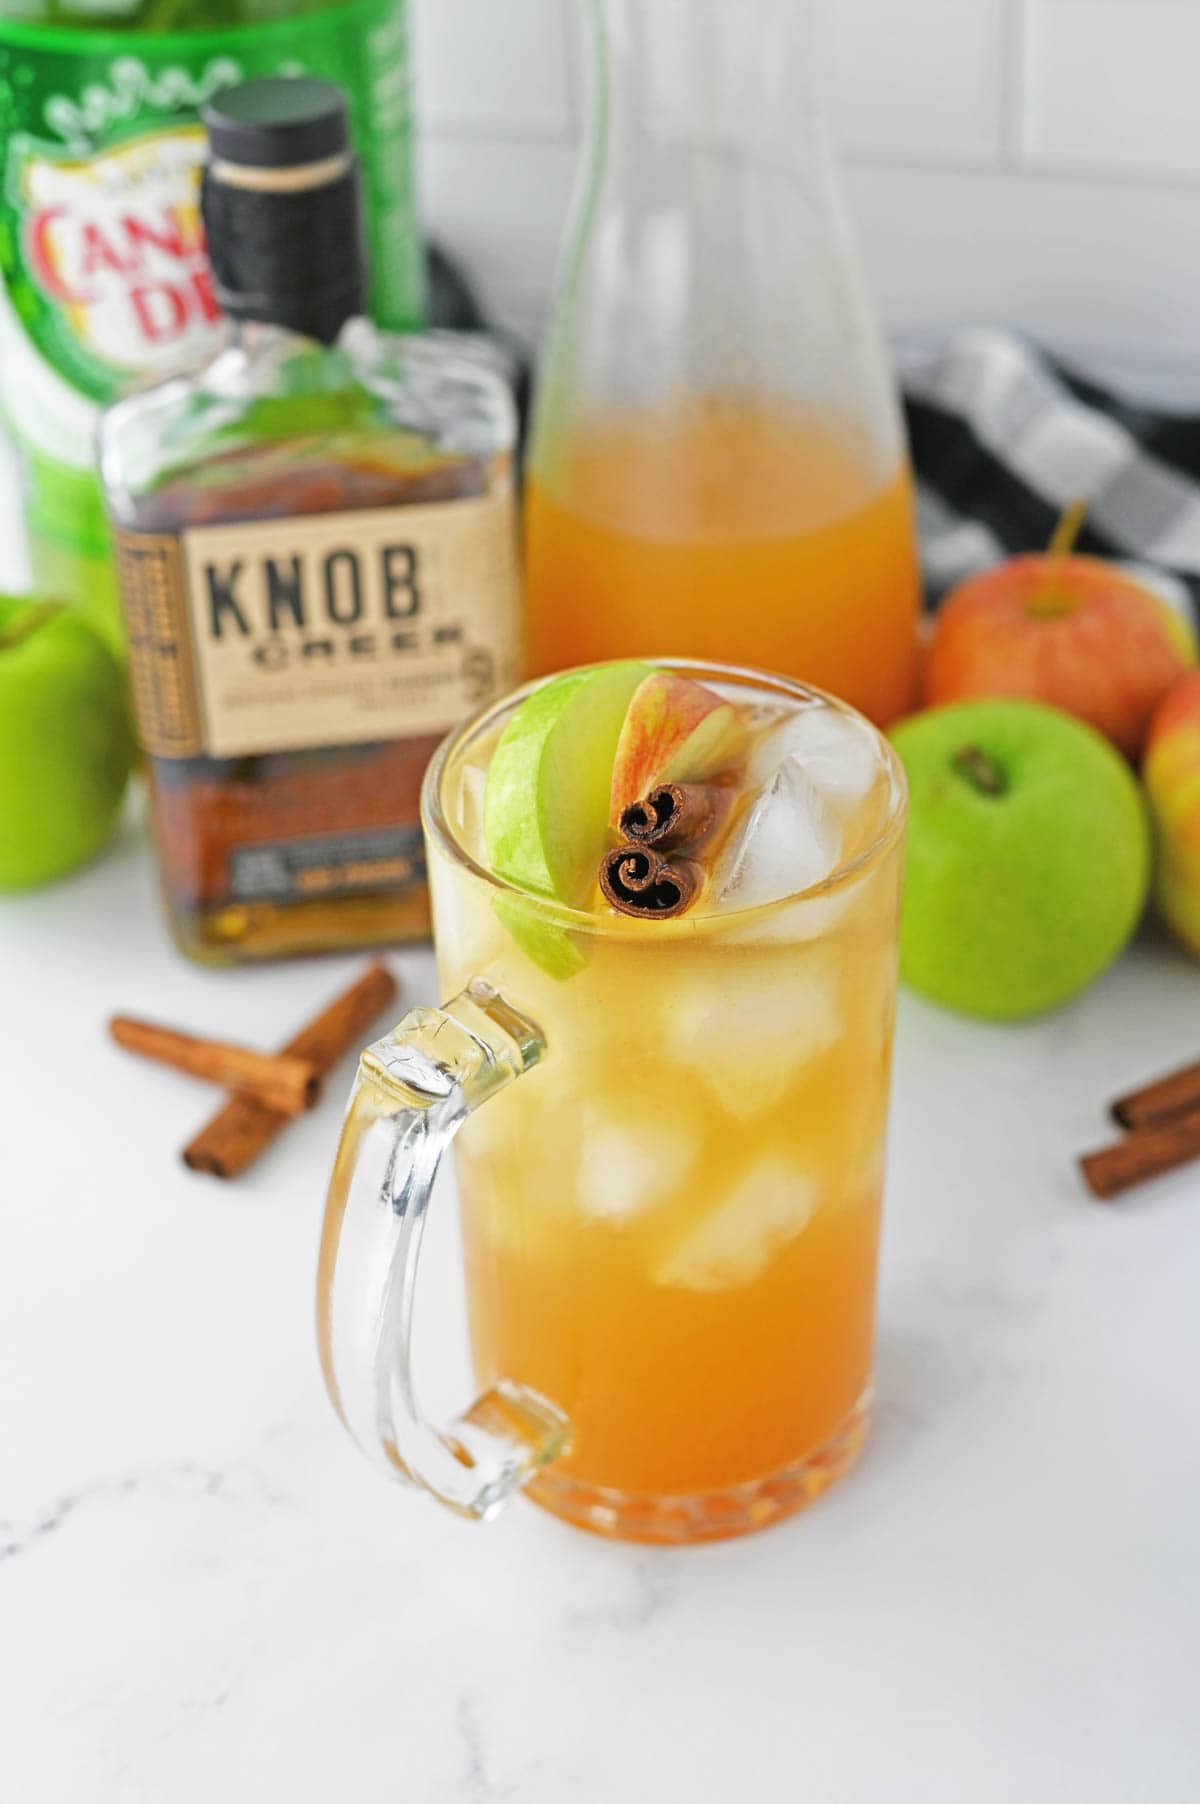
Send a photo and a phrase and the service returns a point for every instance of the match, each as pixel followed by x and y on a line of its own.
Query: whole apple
pixel 1028 857
pixel 1172 774
pixel 66 748
pixel 1074 632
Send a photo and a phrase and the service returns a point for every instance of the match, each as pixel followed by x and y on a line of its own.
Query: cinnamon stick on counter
pixel 244 1128
pixel 280 1080
pixel 1148 1152
pixel 1174 1094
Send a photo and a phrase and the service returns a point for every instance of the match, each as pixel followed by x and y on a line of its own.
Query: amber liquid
pixel 726 530
pixel 671 1225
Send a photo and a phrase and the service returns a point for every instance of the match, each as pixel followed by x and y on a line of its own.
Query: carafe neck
pixel 710 254
pixel 717 72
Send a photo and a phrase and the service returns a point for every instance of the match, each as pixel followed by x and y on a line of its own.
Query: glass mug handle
pixel 414 1090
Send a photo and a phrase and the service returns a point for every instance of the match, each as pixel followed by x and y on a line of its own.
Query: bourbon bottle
pixel 316 537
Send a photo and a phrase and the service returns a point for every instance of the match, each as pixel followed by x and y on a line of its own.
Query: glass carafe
pixel 718 467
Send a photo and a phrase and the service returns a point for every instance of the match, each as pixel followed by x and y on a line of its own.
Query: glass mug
pixel 670 1168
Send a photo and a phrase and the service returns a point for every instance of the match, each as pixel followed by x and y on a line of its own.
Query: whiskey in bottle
pixel 316 537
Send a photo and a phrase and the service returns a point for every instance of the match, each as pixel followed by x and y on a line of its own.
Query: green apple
pixel 1028 856
pixel 65 743
pixel 545 807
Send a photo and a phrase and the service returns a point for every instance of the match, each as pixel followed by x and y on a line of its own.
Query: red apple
pixel 675 731
pixel 1172 773
pixel 1074 632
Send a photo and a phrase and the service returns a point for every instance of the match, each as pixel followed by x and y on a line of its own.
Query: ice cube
pixel 749 1034
pixel 834 750
pixel 559 1156
pixel 790 841
pixel 626 1167
pixel 770 1206
pixel 809 919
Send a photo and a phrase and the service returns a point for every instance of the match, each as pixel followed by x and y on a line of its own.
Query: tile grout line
pixel 458 129
pixel 1035 171
pixel 574 51
pixel 901 158
pixel 1015 73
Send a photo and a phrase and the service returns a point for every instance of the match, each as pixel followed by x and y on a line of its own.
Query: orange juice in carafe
pixel 718 466
pixel 726 528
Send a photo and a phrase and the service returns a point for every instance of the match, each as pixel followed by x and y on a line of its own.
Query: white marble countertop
pixel 205 1592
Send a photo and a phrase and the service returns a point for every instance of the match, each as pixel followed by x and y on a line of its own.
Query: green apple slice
pixel 545 807
pixel 553 949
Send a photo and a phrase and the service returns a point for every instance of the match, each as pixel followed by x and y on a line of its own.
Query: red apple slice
pixel 675 731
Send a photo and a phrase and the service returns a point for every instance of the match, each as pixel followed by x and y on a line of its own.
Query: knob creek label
pixel 329 629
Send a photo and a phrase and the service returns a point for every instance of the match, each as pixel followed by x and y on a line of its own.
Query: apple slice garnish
pixel 545 803
pixel 675 731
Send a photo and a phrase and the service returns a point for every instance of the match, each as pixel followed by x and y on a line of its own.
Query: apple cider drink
pixel 671 1222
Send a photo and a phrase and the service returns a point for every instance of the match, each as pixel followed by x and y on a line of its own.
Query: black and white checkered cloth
pixel 1004 439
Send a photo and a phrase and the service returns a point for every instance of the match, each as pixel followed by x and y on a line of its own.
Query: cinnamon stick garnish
pixel 644 876
pixel 675 815
pixel 279 1080
pixel 244 1128
pixel 1148 1152
pixel 637 880
pixel 1175 1094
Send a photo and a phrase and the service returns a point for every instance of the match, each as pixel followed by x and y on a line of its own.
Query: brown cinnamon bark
pixel 675 815
pixel 1148 1152
pixel 1175 1094
pixel 637 881
pixel 644 876
pixel 278 1080
pixel 244 1128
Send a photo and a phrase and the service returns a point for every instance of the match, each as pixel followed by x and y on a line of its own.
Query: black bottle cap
pixel 277 123
pixel 282 207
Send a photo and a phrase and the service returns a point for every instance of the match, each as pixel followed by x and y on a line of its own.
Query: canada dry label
pixel 321 630
pixel 101 245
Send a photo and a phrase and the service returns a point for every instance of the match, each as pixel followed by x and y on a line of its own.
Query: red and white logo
pixel 116 246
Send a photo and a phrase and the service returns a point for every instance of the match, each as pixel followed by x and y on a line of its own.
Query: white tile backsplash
pixel 921 77
pixel 1034 162
pixel 1113 83
pixel 1107 270
pixel 501 207
pixel 493 66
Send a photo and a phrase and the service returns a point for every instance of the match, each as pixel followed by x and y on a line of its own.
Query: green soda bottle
pixel 103 277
